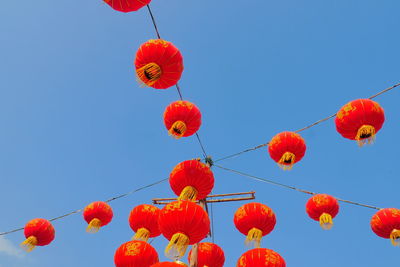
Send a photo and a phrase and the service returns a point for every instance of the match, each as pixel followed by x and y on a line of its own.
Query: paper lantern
pixel 135 254
pixel 143 220
pixel 323 208
pixel 209 254
pixel 38 232
pixel 127 5
pixel 97 214
pixel 261 257
pixel 182 119
pixel 386 224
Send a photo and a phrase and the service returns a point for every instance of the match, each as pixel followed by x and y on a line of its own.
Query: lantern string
pixel 304 128
pixel 109 200
pixel 154 21
pixel 264 180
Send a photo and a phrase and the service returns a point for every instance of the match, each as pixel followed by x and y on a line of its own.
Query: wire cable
pixel 80 210
pixel 264 180
pixel 304 128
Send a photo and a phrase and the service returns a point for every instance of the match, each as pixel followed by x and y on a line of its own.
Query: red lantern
pixel 127 5
pixel 182 119
pixel 97 214
pixel 323 208
pixel 159 64
pixel 254 220
pixel 209 254
pixel 360 120
pixel 38 232
pixel 286 149
pixel 261 257
pixel 169 264
pixel 183 223
pixel 386 224
pixel 135 254
pixel 191 180
pixel 143 220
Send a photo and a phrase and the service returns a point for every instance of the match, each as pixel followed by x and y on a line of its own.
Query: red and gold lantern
pixel 97 214
pixel 209 255
pixel 182 119
pixel 143 220
pixel 191 180
pixel 159 64
pixel 286 149
pixel 360 120
pixel 254 220
pixel 261 257
pixel 183 223
pixel 170 264
pixel 127 5
pixel 38 232
pixel 323 208
pixel 135 254
pixel 386 224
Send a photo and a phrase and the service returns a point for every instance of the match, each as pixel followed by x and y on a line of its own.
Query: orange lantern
pixel 159 64
pixel 323 208
pixel 191 180
pixel 182 119
pixel 143 220
pixel 135 254
pixel 169 264
pixel 127 5
pixel 360 120
pixel 209 254
pixel 183 223
pixel 286 149
pixel 254 220
pixel 97 214
pixel 386 224
pixel 261 257
pixel 38 232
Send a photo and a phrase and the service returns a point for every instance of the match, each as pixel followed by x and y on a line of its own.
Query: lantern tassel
pixel 254 236
pixel 287 160
pixel 178 129
pixel 142 234
pixel 188 193
pixel 365 135
pixel 149 74
pixel 395 237
pixel 29 244
pixel 177 246
pixel 94 226
pixel 325 220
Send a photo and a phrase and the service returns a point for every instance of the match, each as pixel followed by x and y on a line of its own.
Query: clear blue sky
pixel 76 127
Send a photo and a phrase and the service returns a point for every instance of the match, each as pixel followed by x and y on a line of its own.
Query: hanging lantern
pixel 209 254
pixel 182 119
pixel 183 223
pixel 191 180
pixel 323 208
pixel 159 64
pixel 286 149
pixel 386 224
pixel 97 214
pixel 261 257
pixel 143 220
pixel 254 220
pixel 38 232
pixel 127 5
pixel 135 254
pixel 360 120
pixel 169 264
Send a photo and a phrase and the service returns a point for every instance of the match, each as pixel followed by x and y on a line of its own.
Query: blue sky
pixel 77 128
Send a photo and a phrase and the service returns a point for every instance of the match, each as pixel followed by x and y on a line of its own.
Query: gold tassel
pixel 395 237
pixel 94 226
pixel 183 264
pixel 287 160
pixel 177 246
pixel 188 193
pixel 142 234
pixel 149 74
pixel 178 129
pixel 365 135
pixel 29 244
pixel 254 236
pixel 325 220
